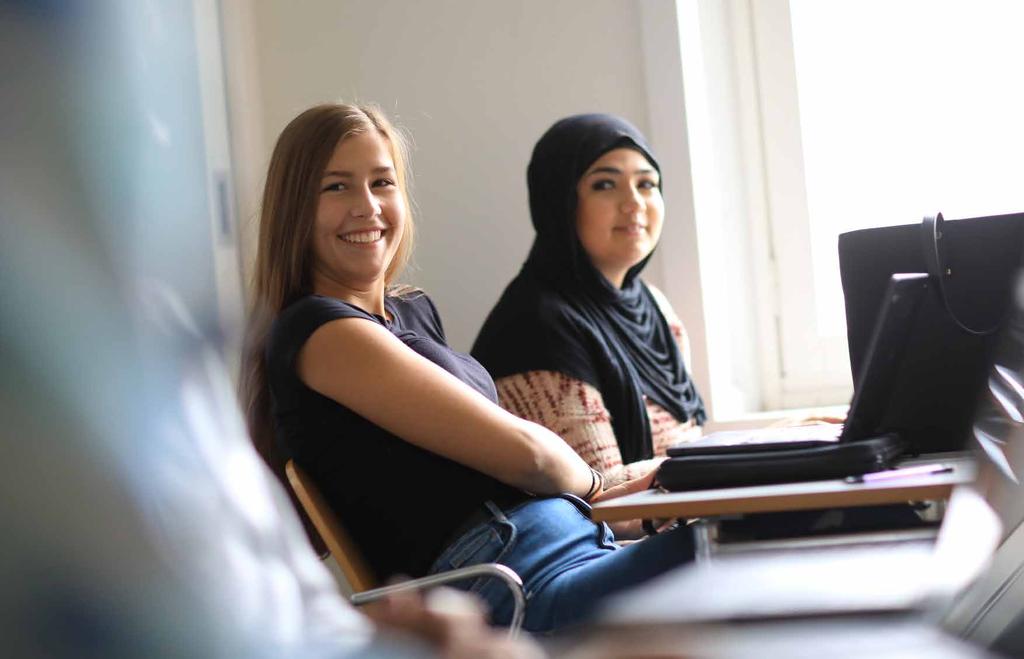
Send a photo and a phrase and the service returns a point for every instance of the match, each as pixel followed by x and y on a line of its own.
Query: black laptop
pixel 871 395
pixel 934 400
pixel 981 543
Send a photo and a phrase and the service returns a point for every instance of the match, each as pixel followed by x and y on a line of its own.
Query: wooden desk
pixel 653 504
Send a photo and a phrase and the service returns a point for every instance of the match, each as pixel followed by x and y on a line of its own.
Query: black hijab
pixel 561 314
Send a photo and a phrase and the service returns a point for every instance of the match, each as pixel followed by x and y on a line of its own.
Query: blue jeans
pixel 567 562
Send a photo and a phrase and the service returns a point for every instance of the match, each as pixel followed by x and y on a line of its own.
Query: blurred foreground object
pixel 138 521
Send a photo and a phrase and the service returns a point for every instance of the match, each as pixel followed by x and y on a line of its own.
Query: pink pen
pixel 903 472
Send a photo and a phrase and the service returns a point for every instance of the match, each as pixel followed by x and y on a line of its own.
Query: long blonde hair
pixel 282 272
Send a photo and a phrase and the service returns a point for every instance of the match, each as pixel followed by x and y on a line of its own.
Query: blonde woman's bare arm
pixel 364 367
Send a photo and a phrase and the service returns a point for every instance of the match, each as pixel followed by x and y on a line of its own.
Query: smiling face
pixel 619 212
pixel 360 219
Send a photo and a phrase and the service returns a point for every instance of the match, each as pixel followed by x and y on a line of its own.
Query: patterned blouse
pixel 575 411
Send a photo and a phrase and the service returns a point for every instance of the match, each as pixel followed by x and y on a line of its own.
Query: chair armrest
pixel 495 570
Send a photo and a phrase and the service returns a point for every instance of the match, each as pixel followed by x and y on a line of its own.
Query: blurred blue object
pixel 138 521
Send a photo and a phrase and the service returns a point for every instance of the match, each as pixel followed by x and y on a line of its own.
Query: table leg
pixel 704 538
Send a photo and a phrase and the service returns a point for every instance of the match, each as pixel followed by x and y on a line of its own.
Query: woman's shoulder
pixel 410 298
pixel 549 306
pixel 664 306
pixel 317 310
pixel 542 312
pixel 675 324
pixel 416 311
pixel 659 298
pixel 297 322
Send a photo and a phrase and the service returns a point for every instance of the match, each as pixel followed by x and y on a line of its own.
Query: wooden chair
pixel 358 573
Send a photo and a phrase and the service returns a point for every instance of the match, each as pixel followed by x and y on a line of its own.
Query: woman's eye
pixel 603 184
pixel 383 183
pixel 647 185
pixel 333 187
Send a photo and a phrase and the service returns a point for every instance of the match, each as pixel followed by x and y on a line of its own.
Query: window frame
pixel 734 164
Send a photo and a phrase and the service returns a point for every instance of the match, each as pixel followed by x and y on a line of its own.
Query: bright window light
pixel 907 107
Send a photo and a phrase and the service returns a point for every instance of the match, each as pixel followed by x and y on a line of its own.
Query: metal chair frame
pixel 358 573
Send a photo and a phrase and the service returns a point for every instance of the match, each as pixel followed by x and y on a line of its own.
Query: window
pixel 808 118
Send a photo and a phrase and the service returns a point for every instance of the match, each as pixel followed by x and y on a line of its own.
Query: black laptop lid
pixel 894 321
pixel 935 395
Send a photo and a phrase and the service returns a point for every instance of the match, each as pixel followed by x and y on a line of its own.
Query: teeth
pixel 363 236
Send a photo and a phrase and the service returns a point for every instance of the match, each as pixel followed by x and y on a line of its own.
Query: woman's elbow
pixel 542 470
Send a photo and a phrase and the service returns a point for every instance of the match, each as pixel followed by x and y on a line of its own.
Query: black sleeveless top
pixel 401 504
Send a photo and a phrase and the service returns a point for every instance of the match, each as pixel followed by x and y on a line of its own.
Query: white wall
pixel 475 83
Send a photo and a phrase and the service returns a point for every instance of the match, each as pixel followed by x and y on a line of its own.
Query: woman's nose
pixel 633 201
pixel 367 205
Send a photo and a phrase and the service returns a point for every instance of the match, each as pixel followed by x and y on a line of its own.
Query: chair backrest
pixel 358 573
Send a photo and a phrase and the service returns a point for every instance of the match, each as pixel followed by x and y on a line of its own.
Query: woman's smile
pixel 633 229
pixel 363 237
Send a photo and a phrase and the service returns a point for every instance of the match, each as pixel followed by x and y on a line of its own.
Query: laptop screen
pixel 894 323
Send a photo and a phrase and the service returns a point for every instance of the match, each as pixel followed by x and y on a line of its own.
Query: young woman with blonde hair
pixel 354 380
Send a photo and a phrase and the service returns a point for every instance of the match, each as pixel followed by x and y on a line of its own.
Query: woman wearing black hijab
pixel 578 342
